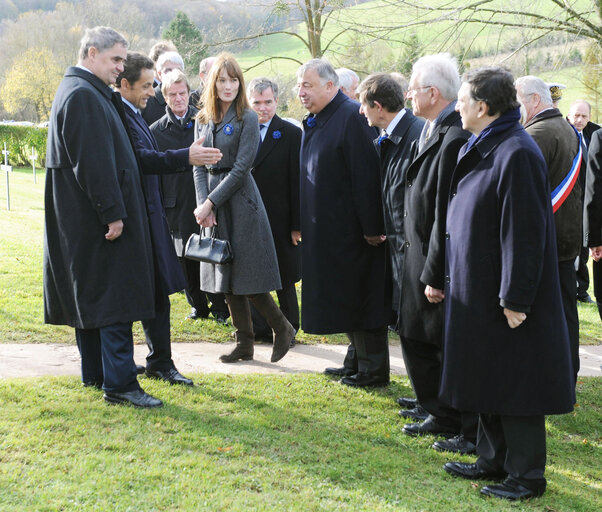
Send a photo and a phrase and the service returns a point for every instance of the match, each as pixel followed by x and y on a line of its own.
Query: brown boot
pixel 241 320
pixel 284 332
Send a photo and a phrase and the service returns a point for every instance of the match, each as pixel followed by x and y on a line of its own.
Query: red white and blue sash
pixel 562 191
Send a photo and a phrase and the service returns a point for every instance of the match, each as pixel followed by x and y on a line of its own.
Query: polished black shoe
pixel 472 471
pixel 94 383
pixel 417 413
pixel 172 376
pixel 137 398
pixel 220 319
pixel 429 426
pixel 586 299
pixel 140 369
pixel 406 402
pixel 511 490
pixel 457 444
pixel 339 372
pixel 363 380
pixel 195 315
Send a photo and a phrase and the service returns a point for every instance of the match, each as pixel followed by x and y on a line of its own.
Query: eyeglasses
pixel 416 89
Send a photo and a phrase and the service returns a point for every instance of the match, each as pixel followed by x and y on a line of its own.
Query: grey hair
pixel 175 76
pixel 101 38
pixel 169 57
pixel 401 80
pixel 530 84
pixel 346 77
pixel 324 69
pixel 440 71
pixel 259 85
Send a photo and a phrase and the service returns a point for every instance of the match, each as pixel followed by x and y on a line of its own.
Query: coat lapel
pixel 269 142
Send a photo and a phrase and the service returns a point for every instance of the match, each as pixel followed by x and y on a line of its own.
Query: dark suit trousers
pixel 158 338
pixel 107 355
pixel 369 352
pixel 197 298
pixel 515 444
pixel 568 291
pixel 582 272
pixel 597 277
pixel 289 305
pixel 423 364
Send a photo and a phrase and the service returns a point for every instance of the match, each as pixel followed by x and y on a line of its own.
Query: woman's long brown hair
pixel 211 110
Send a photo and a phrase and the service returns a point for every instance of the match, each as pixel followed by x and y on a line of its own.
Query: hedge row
pixel 19 141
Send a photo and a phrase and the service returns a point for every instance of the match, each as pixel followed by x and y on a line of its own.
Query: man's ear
pixel 379 105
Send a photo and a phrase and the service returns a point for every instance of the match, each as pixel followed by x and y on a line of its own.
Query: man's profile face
pixel 313 95
pixel 468 109
pixel 264 104
pixel 352 91
pixel 370 113
pixel 579 115
pixel 140 91
pixel 177 98
pixel 106 64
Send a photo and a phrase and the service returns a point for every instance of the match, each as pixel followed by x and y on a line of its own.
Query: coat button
pixel 453 193
pixel 409 183
pixel 405 213
pixel 407 244
pixel 447 236
pixel 447 280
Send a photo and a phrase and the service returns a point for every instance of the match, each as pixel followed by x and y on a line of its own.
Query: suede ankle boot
pixel 241 320
pixel 284 332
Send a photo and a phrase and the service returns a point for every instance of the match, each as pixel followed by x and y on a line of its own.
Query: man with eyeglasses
pixel 434 86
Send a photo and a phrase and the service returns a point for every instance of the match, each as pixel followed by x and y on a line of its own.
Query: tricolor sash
pixel 562 191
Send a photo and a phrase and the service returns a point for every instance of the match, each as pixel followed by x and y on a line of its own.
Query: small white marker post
pixel 33 157
pixel 7 169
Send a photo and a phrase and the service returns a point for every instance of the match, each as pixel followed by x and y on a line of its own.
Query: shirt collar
pixel 395 121
pixel 131 105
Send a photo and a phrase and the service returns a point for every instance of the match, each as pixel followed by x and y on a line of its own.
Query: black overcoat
pixel 592 211
pixel 395 157
pixel 155 107
pixel 343 276
pixel 426 192
pixel 153 162
pixel 178 189
pixel 501 249
pixel 92 179
pixel 276 173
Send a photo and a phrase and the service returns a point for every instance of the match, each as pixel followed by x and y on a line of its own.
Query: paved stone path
pixel 34 360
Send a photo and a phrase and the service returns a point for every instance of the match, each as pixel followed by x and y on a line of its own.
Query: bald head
pixel 579 114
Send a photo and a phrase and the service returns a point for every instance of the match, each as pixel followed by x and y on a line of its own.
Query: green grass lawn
pixel 21 311
pixel 296 442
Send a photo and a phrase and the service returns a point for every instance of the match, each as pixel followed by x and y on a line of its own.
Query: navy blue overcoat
pixel 501 250
pixel 343 276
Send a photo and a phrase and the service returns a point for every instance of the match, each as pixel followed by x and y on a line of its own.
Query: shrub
pixel 19 140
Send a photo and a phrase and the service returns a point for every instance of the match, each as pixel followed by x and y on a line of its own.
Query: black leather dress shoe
pixel 140 369
pixel 195 315
pixel 94 383
pixel 172 376
pixel 407 403
pixel 429 426
pixel 362 380
pixel 510 489
pixel 417 413
pixel 339 372
pixel 457 444
pixel 586 299
pixel 137 398
pixel 472 471
pixel 220 318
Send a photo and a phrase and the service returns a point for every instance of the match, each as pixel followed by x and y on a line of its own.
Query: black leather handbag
pixel 208 249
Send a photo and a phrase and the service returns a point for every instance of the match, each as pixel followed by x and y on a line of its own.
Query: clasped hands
pixel 205 216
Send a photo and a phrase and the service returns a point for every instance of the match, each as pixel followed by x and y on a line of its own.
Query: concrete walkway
pixel 34 360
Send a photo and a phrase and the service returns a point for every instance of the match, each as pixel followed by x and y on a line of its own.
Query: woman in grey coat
pixel 228 198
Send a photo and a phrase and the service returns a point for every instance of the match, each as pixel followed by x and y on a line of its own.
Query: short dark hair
pixel 494 86
pixel 382 87
pixel 133 66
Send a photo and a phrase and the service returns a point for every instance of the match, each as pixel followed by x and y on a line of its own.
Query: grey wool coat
pixel 241 216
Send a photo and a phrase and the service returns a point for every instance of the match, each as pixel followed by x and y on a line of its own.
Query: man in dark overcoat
pixel 155 107
pixel 562 151
pixel 135 85
pixel 506 348
pixel 342 227
pixel 175 130
pixel 98 266
pixel 276 173
pixel 433 90
pixel 592 217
